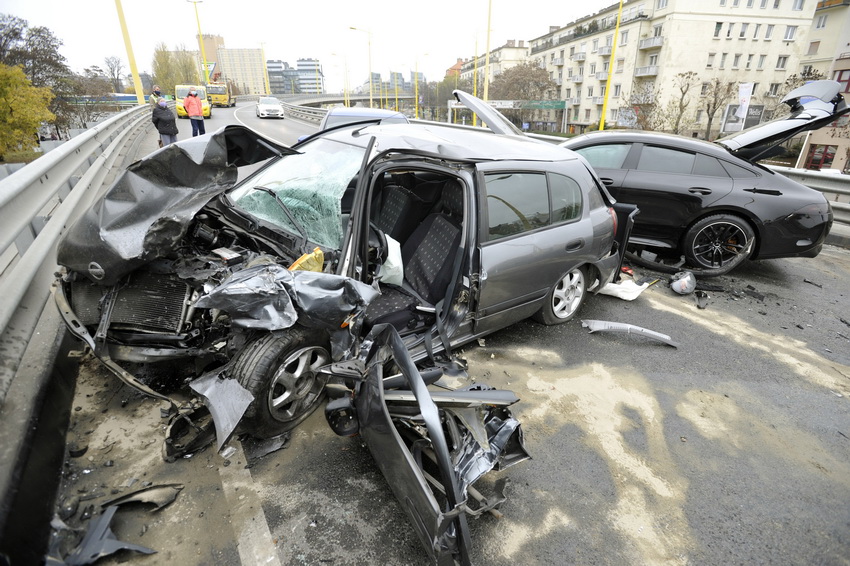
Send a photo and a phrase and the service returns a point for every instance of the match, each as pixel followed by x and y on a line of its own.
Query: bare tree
pixel 715 95
pixel 676 109
pixel 527 81
pixel 114 70
pixel 642 108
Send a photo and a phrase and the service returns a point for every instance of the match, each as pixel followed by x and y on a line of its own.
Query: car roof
pixel 642 136
pixel 363 111
pixel 453 143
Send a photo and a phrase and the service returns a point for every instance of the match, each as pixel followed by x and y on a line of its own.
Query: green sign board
pixel 545 104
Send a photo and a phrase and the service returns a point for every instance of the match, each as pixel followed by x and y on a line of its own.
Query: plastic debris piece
pixel 623 328
pixel 227 401
pixel 255 448
pixel 159 495
pixel 701 298
pixel 100 541
pixel 683 283
pixel 625 289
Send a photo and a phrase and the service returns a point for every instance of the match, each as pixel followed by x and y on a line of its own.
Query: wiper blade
pixel 288 213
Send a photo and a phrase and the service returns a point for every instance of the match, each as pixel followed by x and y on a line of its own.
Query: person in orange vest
pixel 194 108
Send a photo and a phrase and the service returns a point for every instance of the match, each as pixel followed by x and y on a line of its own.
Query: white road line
pixel 254 537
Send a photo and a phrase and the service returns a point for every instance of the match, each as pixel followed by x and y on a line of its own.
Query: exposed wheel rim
pixel 719 244
pixel 296 385
pixel 568 294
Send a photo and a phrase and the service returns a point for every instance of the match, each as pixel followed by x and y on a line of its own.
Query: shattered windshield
pixel 310 184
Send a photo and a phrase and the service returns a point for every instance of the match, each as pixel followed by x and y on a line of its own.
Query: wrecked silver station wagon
pixel 446 234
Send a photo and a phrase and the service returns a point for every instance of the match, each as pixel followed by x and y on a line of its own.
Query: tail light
pixel 613 214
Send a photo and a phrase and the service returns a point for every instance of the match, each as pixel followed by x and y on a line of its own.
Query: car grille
pixel 146 302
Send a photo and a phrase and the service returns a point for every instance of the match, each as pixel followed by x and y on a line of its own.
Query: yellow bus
pixel 221 94
pixel 182 91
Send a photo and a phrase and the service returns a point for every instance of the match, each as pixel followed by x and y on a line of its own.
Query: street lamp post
pixel 369 40
pixel 201 42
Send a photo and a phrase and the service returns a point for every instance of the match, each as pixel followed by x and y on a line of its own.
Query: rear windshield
pixel 338 120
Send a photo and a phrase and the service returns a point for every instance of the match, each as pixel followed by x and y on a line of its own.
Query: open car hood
pixel 146 212
pixel 813 106
pixel 494 119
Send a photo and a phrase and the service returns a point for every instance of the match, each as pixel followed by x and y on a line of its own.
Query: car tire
pixel 716 244
pixel 564 300
pixel 280 372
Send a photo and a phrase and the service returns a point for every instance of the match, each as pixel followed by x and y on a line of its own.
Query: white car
pixel 269 107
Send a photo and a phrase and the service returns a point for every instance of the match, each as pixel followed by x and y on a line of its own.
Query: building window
pixel 624 37
pixel 820 23
pixel 781 61
pixel 717 27
pixel 617 90
pixel 710 61
pixel 755 88
pixel 704 89
pixel 656 30
pixel 620 64
pixel 761 61
pixel 722 3
pixel 749 61
pixel 661 4
pixel 807 69
pixel 735 3
pixel 750 3
pixel 568 93
pixel 699 115
pixel 798 5
pixel 743 31
pixel 594 47
pixel 756 30
pixel 590 92
pixel 763 4
pixel 768 31
pixel 587 115
pixel 820 156
pixel 775 4
pixel 615 113
pixel 773 90
pixel 729 31
pixel 736 60
pixel 790 32
pixel 843 78
pixel 813 48
pixel 593 68
pixel 609 40
pixel 723 60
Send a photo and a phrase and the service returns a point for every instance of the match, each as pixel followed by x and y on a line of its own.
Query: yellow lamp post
pixel 201 42
pixel 137 82
pixel 369 39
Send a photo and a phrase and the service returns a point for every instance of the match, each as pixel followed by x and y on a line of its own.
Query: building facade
pixel 311 79
pixel 245 68
pixel 657 41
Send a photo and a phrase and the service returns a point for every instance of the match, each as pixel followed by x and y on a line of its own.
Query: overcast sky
pixel 430 35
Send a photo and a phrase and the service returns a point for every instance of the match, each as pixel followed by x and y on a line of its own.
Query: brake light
pixel 613 214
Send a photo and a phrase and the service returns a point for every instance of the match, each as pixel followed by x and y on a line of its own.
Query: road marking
pixel 248 520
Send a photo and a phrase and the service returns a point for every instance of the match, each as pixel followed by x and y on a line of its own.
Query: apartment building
pixel 245 68
pixel 311 79
pixel 512 53
pixel 828 52
pixel 734 41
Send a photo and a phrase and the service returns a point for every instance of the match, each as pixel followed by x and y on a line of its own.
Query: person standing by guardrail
pixel 194 108
pixel 155 96
pixel 165 122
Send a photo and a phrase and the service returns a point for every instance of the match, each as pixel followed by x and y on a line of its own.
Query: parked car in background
pixel 182 91
pixel 711 206
pixel 269 107
pixel 339 115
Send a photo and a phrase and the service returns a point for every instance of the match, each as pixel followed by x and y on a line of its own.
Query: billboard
pixel 733 123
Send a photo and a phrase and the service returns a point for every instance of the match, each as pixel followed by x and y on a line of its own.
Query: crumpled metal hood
pixel 145 213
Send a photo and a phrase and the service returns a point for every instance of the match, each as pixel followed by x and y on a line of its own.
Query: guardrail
pixel 37 203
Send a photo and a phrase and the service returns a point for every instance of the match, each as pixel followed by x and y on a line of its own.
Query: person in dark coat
pixel 165 122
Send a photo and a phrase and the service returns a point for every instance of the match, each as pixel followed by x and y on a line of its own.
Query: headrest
pixel 452 198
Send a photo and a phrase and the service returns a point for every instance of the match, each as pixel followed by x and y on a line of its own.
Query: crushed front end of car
pixel 431 445
pixel 165 283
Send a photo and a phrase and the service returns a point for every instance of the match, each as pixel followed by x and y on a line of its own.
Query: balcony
pixel 559 81
pixel 580 56
pixel 605 51
pixel 573 101
pixel 598 100
pixel 651 42
pixel 577 78
pixel 648 71
pixel 603 76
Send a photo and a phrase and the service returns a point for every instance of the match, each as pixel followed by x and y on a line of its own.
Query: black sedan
pixel 710 206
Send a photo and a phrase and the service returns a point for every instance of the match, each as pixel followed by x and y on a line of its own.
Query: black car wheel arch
pixel 280 372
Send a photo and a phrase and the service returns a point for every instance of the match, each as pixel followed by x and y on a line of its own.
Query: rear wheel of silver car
pixel 719 243
pixel 281 373
pixel 564 299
